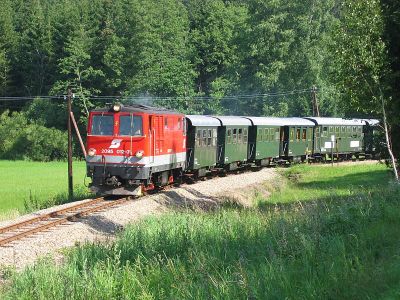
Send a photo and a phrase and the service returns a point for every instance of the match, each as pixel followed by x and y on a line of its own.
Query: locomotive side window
pixel 184 126
pixel 102 125
pixel 130 125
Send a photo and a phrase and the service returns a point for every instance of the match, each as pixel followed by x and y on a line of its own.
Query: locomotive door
pixel 157 134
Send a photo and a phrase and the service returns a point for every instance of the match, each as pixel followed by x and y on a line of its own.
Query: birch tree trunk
pixel 388 143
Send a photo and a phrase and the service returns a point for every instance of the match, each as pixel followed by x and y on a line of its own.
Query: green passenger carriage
pixel 264 140
pixel 232 141
pixel 296 139
pixel 201 151
pixel 343 137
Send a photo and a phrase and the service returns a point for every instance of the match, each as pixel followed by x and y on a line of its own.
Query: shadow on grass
pixel 370 180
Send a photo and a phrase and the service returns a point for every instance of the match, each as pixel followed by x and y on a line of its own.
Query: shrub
pixel 23 140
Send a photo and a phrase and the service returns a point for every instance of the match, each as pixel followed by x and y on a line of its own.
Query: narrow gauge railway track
pixel 43 222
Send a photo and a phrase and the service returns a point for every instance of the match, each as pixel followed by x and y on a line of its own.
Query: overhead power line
pixel 148 97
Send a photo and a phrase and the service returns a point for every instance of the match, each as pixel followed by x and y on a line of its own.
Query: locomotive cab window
pixel 130 125
pixel 102 125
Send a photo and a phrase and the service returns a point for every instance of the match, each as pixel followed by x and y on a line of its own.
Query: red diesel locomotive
pixel 134 148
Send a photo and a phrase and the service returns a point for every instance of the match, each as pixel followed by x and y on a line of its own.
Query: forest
pixel 252 57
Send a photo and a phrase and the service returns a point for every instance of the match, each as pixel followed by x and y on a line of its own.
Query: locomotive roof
pixel 337 121
pixel 274 121
pixel 199 120
pixel 138 108
pixel 233 120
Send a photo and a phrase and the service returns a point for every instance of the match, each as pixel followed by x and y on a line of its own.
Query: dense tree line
pixel 204 48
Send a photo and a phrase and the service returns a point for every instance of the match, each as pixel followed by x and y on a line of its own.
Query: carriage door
pixel 284 137
pixel 157 135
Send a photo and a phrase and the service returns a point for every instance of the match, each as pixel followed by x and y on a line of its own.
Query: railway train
pixel 135 149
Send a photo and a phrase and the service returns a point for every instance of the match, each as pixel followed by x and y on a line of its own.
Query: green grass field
pixel 325 233
pixel 37 183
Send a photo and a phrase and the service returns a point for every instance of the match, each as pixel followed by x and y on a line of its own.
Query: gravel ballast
pixel 102 226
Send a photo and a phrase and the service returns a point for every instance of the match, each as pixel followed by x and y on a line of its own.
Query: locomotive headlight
pixel 91 152
pixel 139 154
pixel 117 107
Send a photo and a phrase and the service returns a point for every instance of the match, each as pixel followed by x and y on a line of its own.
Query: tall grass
pixel 332 247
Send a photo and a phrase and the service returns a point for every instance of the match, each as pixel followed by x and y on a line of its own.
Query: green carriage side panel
pixel 233 144
pixel 300 140
pixel 267 142
pixel 348 135
pixel 233 140
pixel 202 135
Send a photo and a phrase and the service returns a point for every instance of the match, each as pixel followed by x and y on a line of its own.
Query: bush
pixel 23 140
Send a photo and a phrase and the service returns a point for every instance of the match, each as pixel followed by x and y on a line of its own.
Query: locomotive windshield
pixel 130 125
pixel 102 125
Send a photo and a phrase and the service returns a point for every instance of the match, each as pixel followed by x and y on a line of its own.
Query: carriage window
pixel 317 130
pixel 266 133
pixel 343 129
pixel 310 132
pixel 209 140
pixel 331 129
pixel 277 134
pixel 324 131
pixel 259 135
pixel 298 134
pixel 198 138
pixel 337 129
pixel 348 129
pixel 214 137
pixel 204 139
pixel 304 135
pixel 359 129
pixel 245 135
pixel 291 134
pixel 229 136
pixel 234 135
pixel 271 134
pixel 240 136
pixel 102 125
pixel 130 125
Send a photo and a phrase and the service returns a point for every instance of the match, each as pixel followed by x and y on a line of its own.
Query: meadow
pixel 329 233
pixel 26 185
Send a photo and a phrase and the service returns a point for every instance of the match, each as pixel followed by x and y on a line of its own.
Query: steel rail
pixel 63 219
pixel 49 215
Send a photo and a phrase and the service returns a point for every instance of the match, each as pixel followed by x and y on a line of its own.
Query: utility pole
pixel 70 182
pixel 314 101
